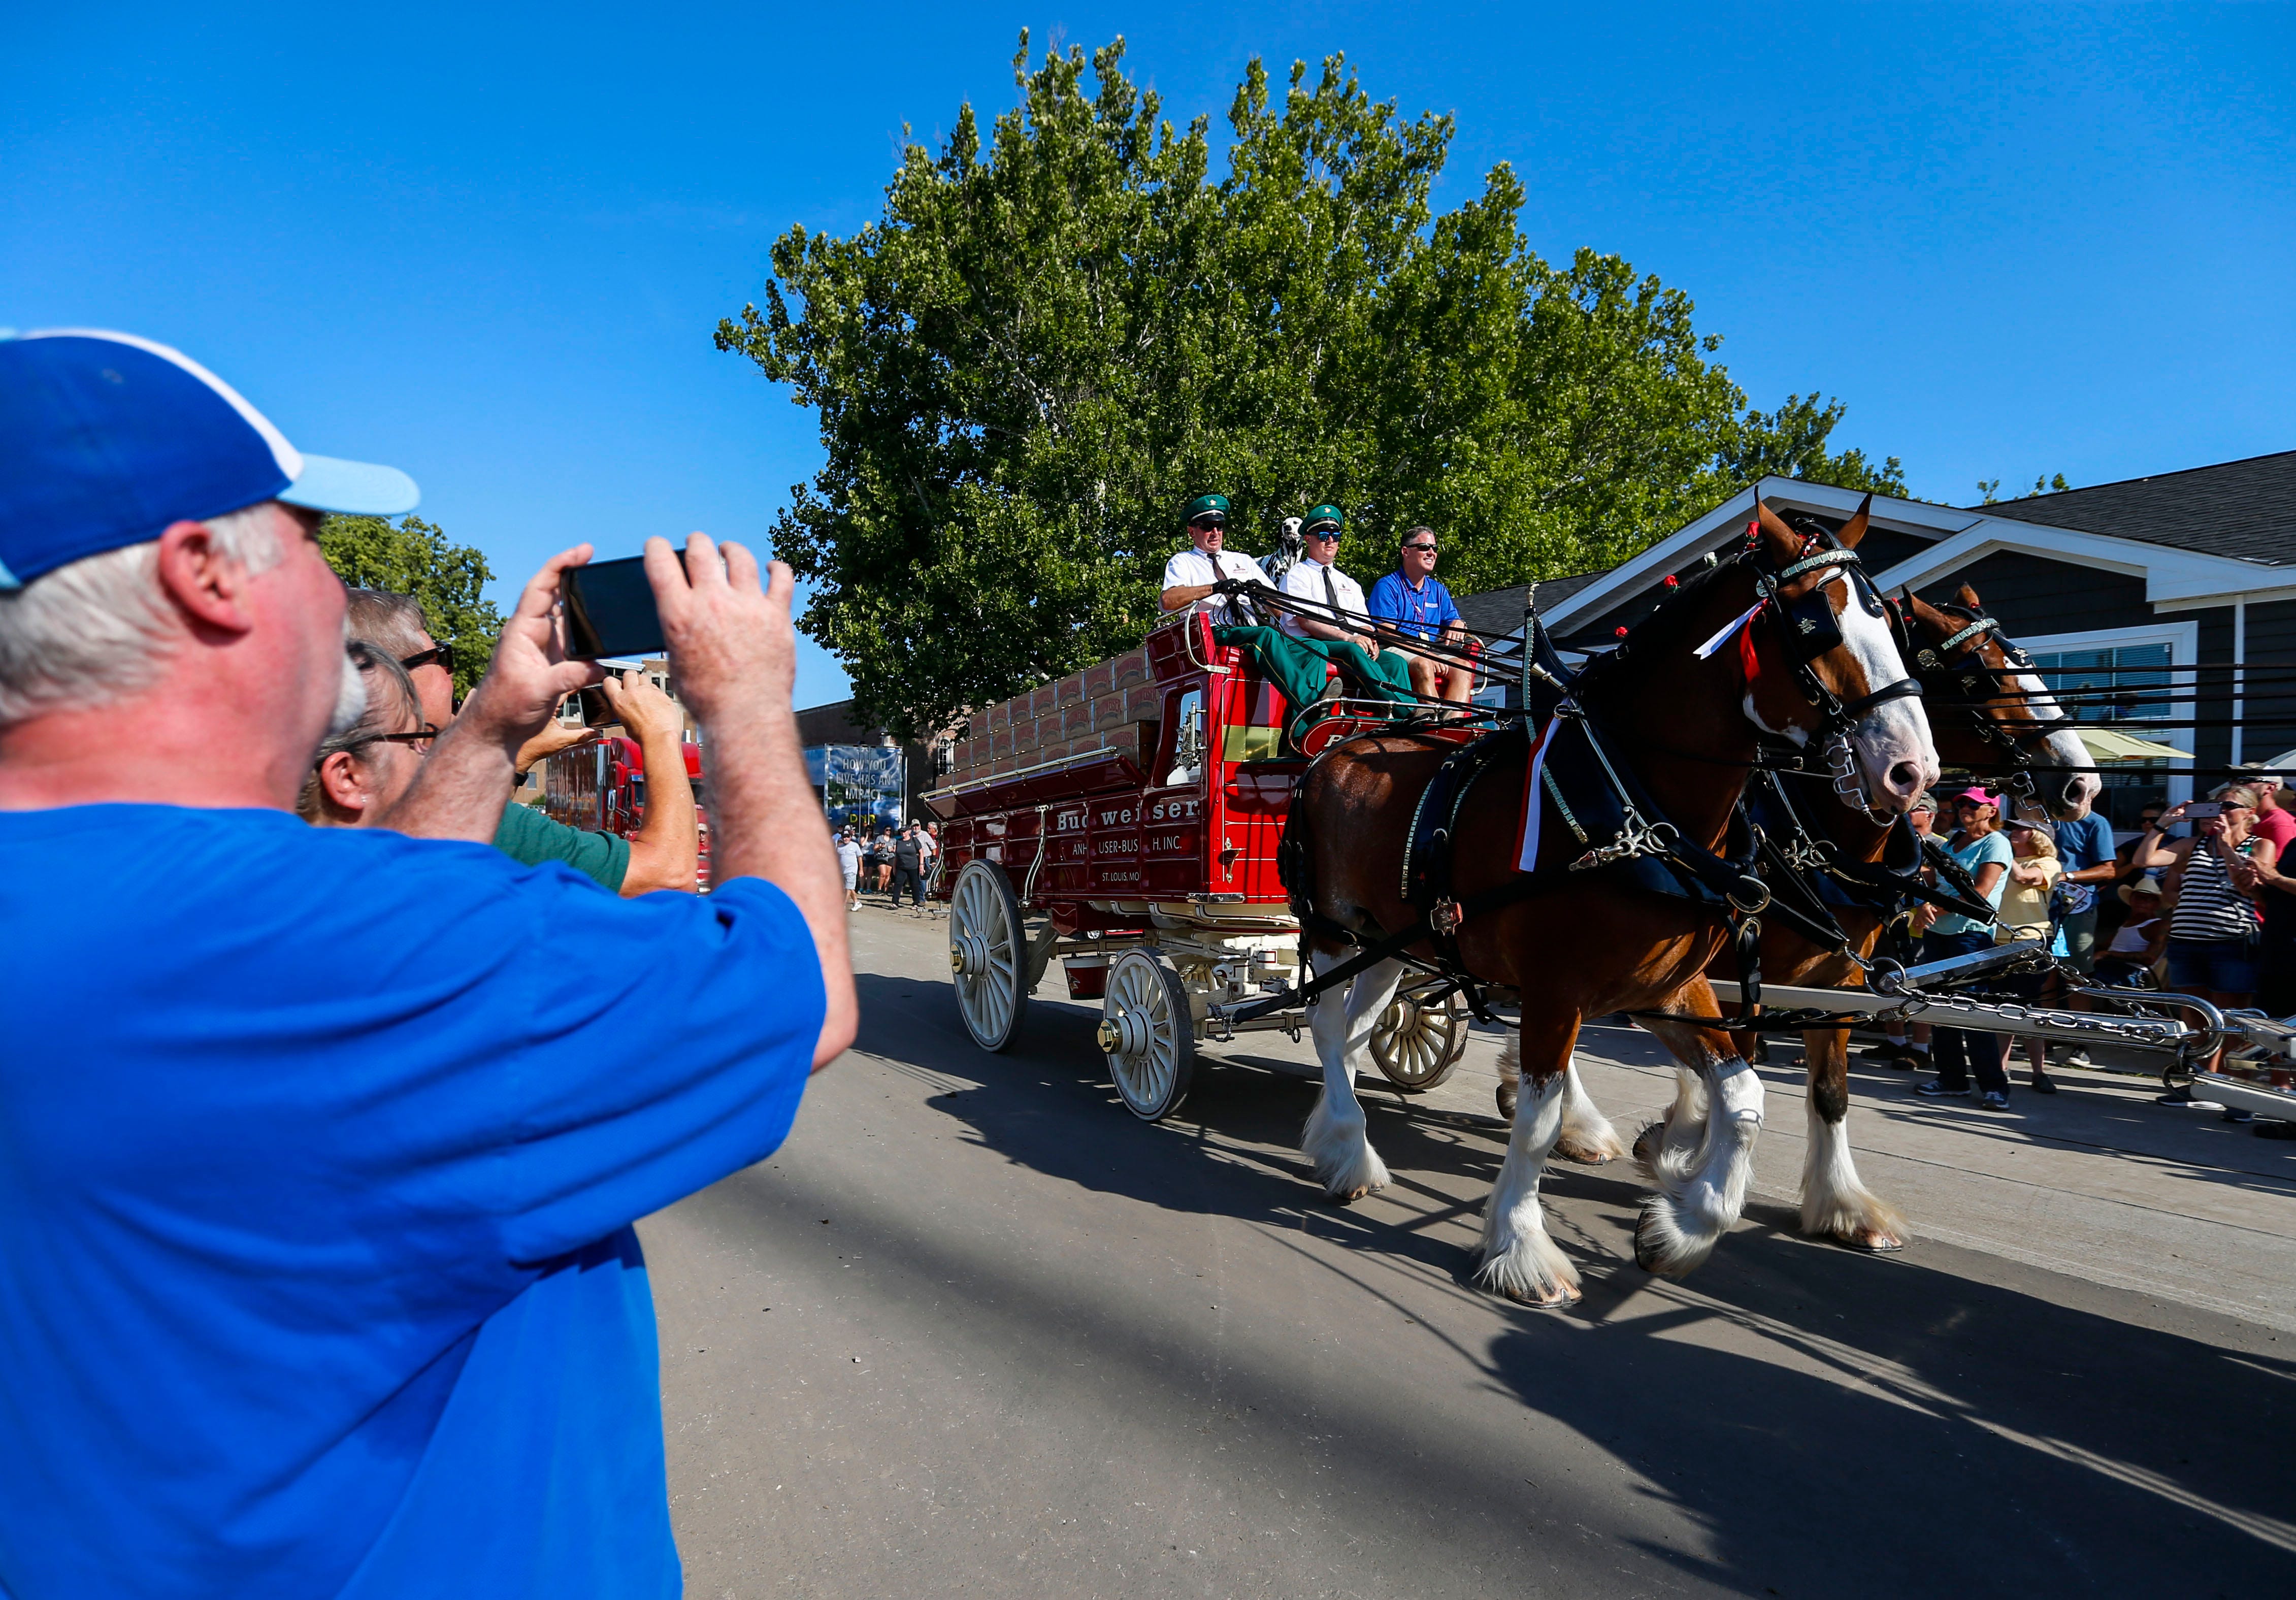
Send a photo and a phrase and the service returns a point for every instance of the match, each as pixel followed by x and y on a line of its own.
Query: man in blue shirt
pixel 318 1154
pixel 1411 604
pixel 2085 850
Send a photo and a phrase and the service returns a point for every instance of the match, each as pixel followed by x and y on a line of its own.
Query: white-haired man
pixel 322 1151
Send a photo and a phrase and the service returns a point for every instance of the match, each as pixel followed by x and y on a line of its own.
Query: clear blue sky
pixel 489 244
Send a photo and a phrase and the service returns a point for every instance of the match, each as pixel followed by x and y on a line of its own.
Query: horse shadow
pixel 1924 1430
pixel 1830 1423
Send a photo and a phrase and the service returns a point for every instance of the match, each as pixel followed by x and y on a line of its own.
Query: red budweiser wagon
pixel 1124 820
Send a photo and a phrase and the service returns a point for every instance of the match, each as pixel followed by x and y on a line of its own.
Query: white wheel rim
pixel 1139 1006
pixel 984 955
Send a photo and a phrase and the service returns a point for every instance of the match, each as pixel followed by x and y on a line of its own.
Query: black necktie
pixel 1332 593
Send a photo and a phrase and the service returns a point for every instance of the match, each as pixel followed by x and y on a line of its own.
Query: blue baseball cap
pixel 106 440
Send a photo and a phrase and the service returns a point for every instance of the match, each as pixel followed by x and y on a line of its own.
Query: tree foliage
pixel 415 557
pixel 1056 335
pixel 1989 489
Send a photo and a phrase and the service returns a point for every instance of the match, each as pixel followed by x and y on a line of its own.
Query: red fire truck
pixel 601 789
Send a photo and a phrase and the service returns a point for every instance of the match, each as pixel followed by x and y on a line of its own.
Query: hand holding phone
pixel 611 611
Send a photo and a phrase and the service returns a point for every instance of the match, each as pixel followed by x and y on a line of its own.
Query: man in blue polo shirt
pixel 1410 603
pixel 319 1148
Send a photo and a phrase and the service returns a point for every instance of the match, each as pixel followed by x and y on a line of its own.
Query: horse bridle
pixel 1810 629
pixel 1982 686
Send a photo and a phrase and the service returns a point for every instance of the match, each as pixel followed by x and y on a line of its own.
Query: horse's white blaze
pixel 1334 1138
pixel 1521 1260
pixel 2063 745
pixel 1833 1201
pixel 1682 1222
pixel 1895 734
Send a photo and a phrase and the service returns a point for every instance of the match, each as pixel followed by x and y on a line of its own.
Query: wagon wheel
pixel 1417 1046
pixel 988 954
pixel 1148 1034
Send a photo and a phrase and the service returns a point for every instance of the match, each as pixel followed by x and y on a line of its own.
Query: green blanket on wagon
pixel 1296 667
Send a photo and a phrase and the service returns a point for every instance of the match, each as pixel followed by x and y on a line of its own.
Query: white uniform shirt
pixel 1306 581
pixel 1192 568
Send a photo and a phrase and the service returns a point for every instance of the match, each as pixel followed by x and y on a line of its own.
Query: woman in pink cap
pixel 1985 855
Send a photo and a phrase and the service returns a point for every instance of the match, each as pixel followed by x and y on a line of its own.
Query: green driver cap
pixel 1202 504
pixel 1324 516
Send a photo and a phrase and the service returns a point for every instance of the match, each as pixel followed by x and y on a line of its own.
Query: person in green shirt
pixel 665 851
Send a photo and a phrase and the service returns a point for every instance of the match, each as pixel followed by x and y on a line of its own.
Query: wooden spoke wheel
pixel 1416 1046
pixel 1148 1034
pixel 989 955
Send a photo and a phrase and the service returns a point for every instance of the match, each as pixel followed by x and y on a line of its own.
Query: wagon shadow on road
pixel 1232 1149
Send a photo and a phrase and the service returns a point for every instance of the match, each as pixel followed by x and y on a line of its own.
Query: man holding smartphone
pixel 321 1156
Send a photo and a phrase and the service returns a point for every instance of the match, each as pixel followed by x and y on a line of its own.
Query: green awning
pixel 2108 744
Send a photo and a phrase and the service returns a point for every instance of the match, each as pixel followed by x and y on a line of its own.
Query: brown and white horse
pixel 1686 725
pixel 1983 706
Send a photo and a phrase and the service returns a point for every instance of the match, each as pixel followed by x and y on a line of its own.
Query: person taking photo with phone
pixel 2212 921
pixel 322 1155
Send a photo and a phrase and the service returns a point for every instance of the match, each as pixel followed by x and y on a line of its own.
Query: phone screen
pixel 610 611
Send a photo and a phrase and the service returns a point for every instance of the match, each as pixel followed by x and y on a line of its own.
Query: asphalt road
pixel 976 1331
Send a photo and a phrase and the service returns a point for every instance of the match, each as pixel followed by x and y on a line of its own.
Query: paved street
pixel 976 1331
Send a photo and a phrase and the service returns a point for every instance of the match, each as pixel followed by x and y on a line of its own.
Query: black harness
pixel 1731 883
pixel 1957 663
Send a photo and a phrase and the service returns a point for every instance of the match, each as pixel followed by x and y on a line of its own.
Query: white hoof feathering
pixel 1587 1136
pixel 1520 1259
pixel 1533 1271
pixel 1834 1201
pixel 1701 1200
pixel 1345 1163
pixel 1667 1148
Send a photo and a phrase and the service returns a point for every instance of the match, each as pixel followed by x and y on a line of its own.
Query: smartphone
pixel 597 710
pixel 610 611
pixel 2200 809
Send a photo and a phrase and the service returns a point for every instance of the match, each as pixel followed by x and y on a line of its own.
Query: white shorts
pixel 851 873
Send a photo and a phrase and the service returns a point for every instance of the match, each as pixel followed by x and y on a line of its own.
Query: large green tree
pixel 415 557
pixel 1056 335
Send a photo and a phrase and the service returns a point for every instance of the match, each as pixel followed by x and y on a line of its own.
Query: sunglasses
pixel 438 655
pixel 1423 549
pixel 1213 524
pixel 1323 533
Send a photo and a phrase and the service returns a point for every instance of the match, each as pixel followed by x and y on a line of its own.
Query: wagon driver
pixel 1191 575
pixel 1411 603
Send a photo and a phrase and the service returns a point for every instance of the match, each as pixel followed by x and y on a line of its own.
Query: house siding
pixel 2032 597
pixel 2271 699
pixel 2211 747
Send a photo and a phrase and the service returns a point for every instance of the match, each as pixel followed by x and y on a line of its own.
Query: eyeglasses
pixel 1323 533
pixel 1423 549
pixel 1211 524
pixel 419 740
pixel 438 655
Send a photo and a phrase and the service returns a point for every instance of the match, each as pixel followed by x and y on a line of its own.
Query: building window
pixel 2125 681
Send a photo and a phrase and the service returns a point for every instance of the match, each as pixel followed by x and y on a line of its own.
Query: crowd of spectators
pixel 324 1142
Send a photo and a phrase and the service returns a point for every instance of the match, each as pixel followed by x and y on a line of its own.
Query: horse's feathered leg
pixel 1669 1143
pixel 1833 1201
pixel 1587 1136
pixel 1521 1260
pixel 1334 1138
pixel 1695 1205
